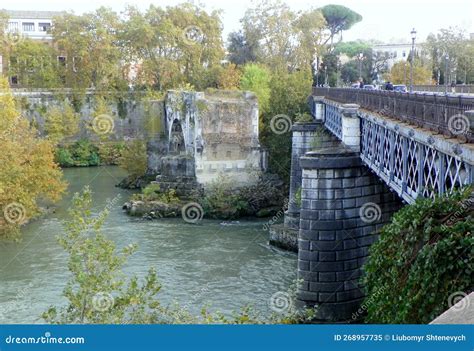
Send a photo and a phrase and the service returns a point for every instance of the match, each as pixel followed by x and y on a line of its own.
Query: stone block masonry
pixel 305 137
pixel 343 205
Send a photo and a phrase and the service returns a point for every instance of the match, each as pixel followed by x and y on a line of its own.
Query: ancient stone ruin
pixel 205 135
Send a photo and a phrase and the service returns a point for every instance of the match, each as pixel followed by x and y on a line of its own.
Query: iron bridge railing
pixel 410 166
pixel 431 111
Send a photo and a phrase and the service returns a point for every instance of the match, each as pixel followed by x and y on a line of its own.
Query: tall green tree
pixel 173 46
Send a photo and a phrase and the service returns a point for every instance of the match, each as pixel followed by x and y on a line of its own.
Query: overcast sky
pixel 384 20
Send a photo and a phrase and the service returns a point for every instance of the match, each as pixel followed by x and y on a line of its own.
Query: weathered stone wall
pixel 132 118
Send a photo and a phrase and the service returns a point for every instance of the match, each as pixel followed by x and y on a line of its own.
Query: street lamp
pixel 360 57
pixel 446 62
pixel 404 54
pixel 413 37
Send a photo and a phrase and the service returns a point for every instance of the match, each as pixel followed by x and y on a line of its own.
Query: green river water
pixel 214 264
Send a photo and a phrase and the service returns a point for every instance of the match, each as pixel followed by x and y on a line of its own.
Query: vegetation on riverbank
pixel 423 261
pixel 219 200
pixel 28 172
pixel 100 293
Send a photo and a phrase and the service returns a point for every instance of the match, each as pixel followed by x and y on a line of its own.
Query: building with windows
pixel 397 52
pixel 35 25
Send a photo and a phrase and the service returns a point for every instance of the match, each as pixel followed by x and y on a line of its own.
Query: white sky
pixel 384 20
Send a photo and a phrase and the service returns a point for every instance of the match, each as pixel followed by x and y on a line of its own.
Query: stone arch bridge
pixel 375 150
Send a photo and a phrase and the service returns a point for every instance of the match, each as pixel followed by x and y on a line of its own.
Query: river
pixel 221 266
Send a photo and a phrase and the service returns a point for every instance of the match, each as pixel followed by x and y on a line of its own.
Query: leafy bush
pixel 221 200
pixel 134 158
pixel 110 152
pixel 422 257
pixel 153 192
pixel 81 153
pixel 304 118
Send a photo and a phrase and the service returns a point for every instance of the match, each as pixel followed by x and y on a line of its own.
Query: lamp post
pixel 360 57
pixel 404 54
pixel 413 37
pixel 446 67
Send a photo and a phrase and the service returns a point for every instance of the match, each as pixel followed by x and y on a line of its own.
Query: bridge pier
pixel 343 205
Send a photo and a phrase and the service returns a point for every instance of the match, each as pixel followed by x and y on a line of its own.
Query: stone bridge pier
pixel 343 205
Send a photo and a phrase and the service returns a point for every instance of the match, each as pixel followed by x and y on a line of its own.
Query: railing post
pixel 318 108
pixel 350 126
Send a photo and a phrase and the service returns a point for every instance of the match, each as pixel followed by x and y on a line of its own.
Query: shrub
pixel 221 200
pixel 80 154
pixel 152 192
pixel 110 152
pixel 134 158
pixel 422 257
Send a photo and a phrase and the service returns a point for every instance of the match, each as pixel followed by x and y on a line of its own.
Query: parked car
pixel 401 88
pixel 369 87
pixel 355 85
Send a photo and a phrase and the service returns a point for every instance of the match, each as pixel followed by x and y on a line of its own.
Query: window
pixel 28 27
pixel 44 26
pixel 13 26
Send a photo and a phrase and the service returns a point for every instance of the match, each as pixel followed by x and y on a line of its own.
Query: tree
pixel 400 70
pixel 90 49
pixel 33 63
pixel 229 77
pixel 339 18
pixel 98 291
pixel 134 159
pixel 175 46
pixel 27 169
pixel 241 49
pixel 256 78
pixel 61 122
pixel 271 24
pixel 452 43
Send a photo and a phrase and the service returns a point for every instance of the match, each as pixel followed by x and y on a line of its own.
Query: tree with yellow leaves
pixel 27 169
pixel 400 73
